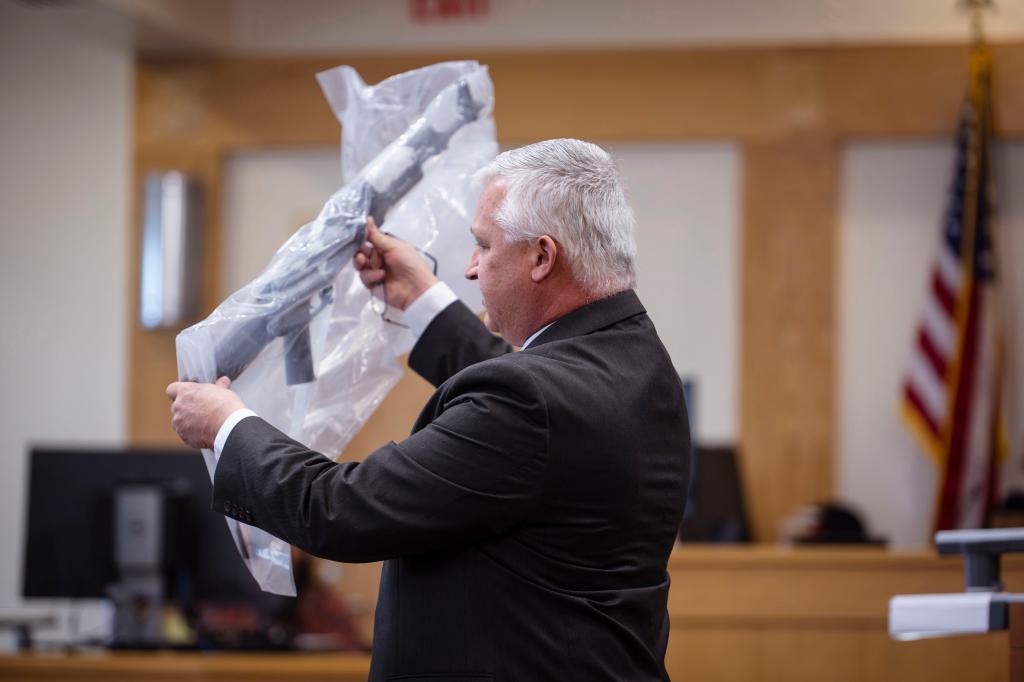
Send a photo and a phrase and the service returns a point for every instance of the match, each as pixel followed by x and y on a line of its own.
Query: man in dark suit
pixel 528 519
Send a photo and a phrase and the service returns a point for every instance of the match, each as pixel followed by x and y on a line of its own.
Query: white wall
pixel 65 127
pixel 1009 170
pixel 269 195
pixel 686 197
pixel 893 194
pixel 323 26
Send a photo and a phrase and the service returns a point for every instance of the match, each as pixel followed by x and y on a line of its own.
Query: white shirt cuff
pixel 225 429
pixel 424 309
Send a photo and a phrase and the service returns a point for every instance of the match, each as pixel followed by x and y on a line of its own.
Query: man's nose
pixel 471 268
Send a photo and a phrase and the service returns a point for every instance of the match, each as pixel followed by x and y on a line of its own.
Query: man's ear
pixel 543 255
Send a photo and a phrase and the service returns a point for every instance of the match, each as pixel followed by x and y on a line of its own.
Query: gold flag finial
pixel 977 9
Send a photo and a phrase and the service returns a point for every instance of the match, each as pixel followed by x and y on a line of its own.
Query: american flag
pixel 952 394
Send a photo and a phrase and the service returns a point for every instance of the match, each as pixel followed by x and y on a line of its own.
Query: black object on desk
pixel 715 507
pixel 160 502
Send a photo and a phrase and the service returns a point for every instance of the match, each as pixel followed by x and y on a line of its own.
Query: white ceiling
pixel 333 26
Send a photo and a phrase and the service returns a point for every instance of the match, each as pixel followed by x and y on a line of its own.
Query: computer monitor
pixel 715 509
pixel 70 543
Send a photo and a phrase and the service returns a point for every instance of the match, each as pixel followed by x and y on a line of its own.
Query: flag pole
pixel 977 14
pixel 951 396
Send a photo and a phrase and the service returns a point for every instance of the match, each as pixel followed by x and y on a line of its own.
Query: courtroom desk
pixel 738 614
pixel 764 613
pixel 185 667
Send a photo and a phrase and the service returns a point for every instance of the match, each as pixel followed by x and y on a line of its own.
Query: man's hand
pixel 396 264
pixel 199 410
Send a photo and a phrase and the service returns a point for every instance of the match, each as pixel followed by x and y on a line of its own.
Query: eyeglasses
pixel 382 309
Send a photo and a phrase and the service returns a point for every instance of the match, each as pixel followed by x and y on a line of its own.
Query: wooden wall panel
pixel 769 614
pixel 837 653
pixel 788 325
pixel 790 108
pixel 153 358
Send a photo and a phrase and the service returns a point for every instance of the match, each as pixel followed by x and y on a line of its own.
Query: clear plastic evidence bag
pixel 303 344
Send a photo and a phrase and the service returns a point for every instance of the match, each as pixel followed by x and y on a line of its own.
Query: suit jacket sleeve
pixel 472 472
pixel 454 340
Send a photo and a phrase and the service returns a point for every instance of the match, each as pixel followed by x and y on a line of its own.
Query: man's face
pixel 502 268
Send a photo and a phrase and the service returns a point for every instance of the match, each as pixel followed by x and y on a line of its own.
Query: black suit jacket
pixel 527 521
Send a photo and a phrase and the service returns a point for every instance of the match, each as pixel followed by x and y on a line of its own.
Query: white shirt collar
pixel 535 335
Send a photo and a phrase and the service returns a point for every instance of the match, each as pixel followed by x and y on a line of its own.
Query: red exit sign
pixel 447 10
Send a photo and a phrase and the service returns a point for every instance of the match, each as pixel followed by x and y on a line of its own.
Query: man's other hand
pixel 199 410
pixel 395 263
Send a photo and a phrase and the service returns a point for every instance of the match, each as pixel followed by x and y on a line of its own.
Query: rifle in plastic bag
pixel 297 285
pixel 408 164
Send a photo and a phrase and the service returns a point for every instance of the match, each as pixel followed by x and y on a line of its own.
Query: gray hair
pixel 572 191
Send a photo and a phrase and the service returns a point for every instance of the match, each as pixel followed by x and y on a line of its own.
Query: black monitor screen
pixel 69 535
pixel 715 510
